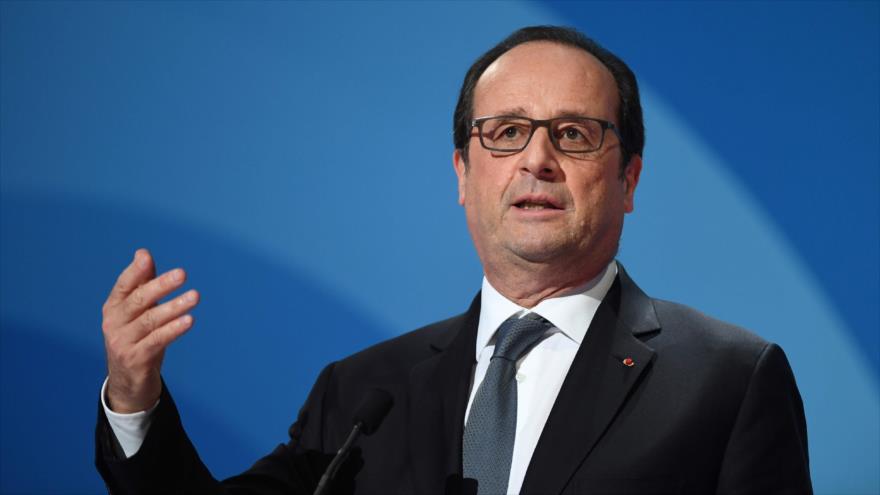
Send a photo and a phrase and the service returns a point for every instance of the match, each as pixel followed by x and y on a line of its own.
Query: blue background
pixel 295 158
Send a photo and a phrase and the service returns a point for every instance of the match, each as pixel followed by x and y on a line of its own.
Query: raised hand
pixel 137 331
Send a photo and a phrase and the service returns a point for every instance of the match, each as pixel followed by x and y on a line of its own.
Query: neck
pixel 527 284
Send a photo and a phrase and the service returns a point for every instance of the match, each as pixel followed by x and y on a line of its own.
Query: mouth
pixel 537 204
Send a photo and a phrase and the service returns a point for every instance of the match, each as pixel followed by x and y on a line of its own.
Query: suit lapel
pixel 597 385
pixel 438 392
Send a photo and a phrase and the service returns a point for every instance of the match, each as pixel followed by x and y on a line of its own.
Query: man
pixel 562 376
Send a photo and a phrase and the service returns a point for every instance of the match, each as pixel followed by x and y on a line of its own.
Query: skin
pixel 137 331
pixel 530 255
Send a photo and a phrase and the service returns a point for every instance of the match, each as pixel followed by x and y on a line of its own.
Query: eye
pixel 509 132
pixel 505 133
pixel 579 134
pixel 572 134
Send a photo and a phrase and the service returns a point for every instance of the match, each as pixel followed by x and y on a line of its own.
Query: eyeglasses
pixel 511 133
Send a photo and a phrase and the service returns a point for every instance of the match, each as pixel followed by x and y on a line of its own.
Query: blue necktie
pixel 487 447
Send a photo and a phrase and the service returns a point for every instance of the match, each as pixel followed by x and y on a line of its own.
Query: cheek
pixel 587 189
pixel 484 187
pixel 599 198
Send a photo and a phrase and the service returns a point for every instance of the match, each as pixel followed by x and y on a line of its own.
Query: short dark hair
pixel 629 108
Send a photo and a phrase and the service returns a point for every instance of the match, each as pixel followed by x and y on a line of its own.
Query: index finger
pixel 139 271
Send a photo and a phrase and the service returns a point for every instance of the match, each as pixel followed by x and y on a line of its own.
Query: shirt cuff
pixel 130 429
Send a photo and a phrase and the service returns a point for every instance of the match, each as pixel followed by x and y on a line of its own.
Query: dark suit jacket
pixel 706 407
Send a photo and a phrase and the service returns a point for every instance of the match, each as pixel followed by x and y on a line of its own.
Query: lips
pixel 537 203
pixel 527 205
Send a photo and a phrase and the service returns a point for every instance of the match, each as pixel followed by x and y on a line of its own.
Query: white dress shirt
pixel 540 372
pixel 130 429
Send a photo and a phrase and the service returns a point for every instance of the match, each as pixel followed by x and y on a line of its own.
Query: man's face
pixel 541 205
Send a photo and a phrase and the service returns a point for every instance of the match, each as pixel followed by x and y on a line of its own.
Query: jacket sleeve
pixel 167 462
pixel 767 449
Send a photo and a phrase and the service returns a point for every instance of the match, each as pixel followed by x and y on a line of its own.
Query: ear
pixel 460 172
pixel 630 180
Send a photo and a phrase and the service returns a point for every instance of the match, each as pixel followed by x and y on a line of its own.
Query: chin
pixel 543 251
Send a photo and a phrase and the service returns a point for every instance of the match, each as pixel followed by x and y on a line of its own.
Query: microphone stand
pixel 341 455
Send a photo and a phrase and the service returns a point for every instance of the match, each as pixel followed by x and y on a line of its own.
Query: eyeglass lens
pixel 568 134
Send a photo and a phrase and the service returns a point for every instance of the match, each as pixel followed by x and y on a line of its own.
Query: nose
pixel 540 157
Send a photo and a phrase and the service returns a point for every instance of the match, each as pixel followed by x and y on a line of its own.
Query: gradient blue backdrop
pixel 295 158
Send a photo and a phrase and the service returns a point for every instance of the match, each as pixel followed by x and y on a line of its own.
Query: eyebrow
pixel 518 111
pixel 521 112
pixel 573 114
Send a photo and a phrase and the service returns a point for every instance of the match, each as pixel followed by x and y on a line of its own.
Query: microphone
pixel 367 418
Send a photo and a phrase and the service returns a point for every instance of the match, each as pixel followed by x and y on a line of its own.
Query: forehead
pixel 547 79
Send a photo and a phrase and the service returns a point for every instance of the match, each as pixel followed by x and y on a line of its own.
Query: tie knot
pixel 516 335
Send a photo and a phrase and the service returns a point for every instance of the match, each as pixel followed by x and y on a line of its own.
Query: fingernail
pixel 177 275
pixel 186 319
pixel 191 296
pixel 142 259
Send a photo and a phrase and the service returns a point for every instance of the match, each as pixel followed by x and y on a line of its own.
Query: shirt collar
pixel 571 313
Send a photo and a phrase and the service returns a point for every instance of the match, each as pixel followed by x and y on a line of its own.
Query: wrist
pixel 132 398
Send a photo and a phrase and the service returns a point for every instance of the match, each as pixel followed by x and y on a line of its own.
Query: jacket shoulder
pixel 690 320
pixel 401 353
pixel 686 328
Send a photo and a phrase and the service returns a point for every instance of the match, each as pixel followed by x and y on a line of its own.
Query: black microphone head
pixel 373 409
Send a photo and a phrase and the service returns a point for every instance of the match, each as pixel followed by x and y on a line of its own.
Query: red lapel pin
pixel 629 362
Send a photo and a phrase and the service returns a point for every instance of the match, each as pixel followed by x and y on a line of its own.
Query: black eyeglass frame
pixel 536 123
